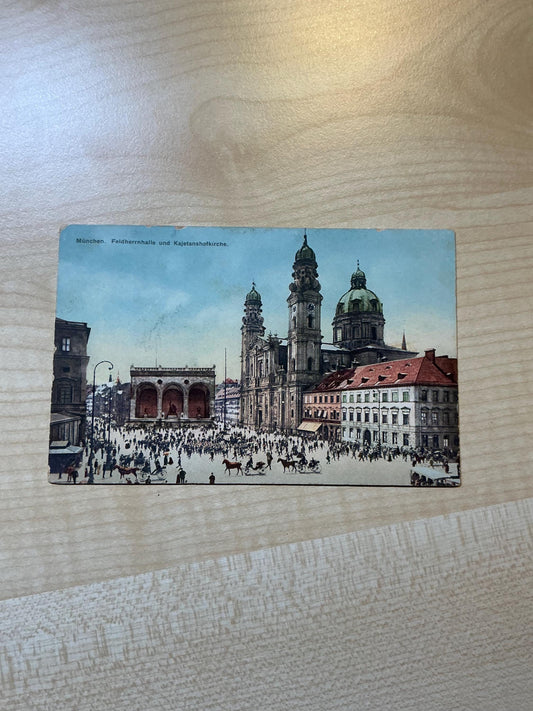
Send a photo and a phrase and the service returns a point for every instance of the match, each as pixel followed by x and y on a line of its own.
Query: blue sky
pixel 182 305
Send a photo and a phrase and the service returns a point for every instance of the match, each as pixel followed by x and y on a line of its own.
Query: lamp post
pixel 91 456
pixel 376 392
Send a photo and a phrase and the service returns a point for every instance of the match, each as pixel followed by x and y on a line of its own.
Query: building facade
pixel 322 407
pixel 69 388
pixel 276 372
pixel 228 402
pixel 174 395
pixel 358 325
pixel 404 403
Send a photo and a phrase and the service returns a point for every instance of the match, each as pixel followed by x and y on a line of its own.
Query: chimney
pixel 430 355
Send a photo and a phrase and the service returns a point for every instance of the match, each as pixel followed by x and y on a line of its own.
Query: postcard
pixel 218 355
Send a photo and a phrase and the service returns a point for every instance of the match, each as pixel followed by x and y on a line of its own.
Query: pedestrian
pixel 212 478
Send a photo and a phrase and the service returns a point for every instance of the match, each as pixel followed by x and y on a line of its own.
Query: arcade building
pixel 176 396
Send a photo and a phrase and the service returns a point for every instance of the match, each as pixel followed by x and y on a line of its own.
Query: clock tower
pixel 304 337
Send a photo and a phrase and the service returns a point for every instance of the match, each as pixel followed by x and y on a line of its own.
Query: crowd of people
pixel 150 454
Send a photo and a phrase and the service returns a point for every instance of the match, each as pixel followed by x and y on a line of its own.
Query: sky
pixel 176 305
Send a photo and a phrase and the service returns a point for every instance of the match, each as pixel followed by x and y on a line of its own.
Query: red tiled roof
pixel 424 370
pixel 331 380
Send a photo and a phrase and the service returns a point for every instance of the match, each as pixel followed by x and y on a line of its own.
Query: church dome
pixel 359 299
pixel 253 296
pixel 305 252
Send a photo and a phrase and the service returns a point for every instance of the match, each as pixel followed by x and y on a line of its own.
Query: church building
pixel 275 372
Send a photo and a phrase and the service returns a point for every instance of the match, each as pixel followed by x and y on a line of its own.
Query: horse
pixel 232 465
pixel 126 471
pixel 287 464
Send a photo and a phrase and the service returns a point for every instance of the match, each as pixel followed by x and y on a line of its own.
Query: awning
pixel 310 426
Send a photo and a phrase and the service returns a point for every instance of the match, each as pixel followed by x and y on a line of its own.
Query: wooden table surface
pixel 311 113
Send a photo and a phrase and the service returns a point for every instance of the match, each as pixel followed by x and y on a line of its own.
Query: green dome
pixel 253 295
pixel 305 252
pixel 359 299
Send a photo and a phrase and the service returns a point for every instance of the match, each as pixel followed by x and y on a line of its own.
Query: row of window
pixel 321 398
pixel 394 396
pixel 365 417
pixel 395 436
pixel 427 440
pixel 322 414
pixel 365 397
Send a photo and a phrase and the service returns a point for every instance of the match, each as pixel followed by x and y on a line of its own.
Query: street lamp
pixel 376 392
pixel 91 456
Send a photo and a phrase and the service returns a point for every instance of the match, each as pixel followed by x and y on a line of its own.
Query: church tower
pixel 252 330
pixel 304 337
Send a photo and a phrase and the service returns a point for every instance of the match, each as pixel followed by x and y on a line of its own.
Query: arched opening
pixel 374 333
pixel 366 437
pixel 172 401
pixel 198 402
pixel 146 403
pixel 309 363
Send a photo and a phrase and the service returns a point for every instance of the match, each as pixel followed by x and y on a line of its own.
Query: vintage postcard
pixel 204 355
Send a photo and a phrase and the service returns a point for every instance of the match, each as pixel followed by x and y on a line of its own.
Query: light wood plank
pixel 431 615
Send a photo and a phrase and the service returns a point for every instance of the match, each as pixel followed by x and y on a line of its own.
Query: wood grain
pixel 431 615
pixel 316 113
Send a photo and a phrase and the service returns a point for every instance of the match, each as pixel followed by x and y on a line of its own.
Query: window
pixel 358 417
pixel 351 397
pixel 310 321
pixel 435 396
pixel 320 398
pixel 423 417
pixel 423 395
pixel 436 441
pixel 385 397
pixel 384 418
pixel 435 417
pixel 343 397
pixel 395 438
pixel 375 435
pixel 367 416
pixel 424 440
pixel 405 418
pixel 375 396
pixel 309 363
pixel 405 440
pixel 65 344
pixel 66 369
pixel 358 433
pixel 394 396
pixel 445 418
pixel 359 397
pixel 351 415
pixel 367 397
pixel 394 418
pixel 351 432
pixel 446 396
pixel 344 414
pixel 374 417
pixel 405 396
pixel 384 436
pixel 338 398
pixel 64 393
